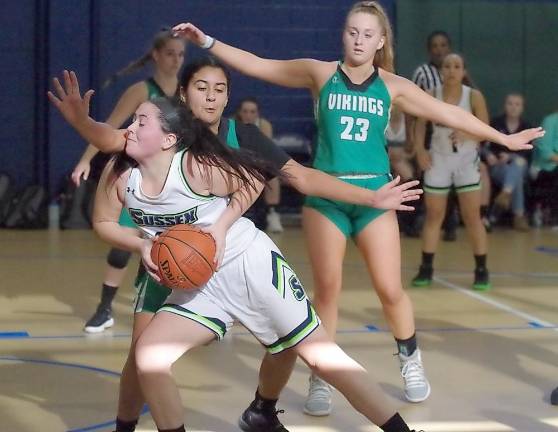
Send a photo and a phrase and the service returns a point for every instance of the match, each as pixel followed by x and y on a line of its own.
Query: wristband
pixel 208 43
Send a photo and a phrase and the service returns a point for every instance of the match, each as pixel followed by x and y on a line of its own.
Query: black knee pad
pixel 118 258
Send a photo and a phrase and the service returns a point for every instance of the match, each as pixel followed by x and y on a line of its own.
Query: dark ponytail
pixel 204 145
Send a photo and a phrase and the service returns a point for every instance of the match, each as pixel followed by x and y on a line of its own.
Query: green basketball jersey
pixel 351 120
pixel 154 90
pixel 232 138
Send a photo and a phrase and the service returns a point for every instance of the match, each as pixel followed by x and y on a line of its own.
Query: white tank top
pixel 441 141
pixel 179 204
pixel 399 136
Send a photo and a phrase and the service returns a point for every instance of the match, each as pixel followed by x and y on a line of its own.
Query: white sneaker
pixel 417 387
pixel 318 402
pixel 274 222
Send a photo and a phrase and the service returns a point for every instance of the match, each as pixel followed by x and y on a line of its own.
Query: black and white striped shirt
pixel 427 76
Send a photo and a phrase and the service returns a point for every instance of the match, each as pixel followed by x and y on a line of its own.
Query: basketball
pixel 184 255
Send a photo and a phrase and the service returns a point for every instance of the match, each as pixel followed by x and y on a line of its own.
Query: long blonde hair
pixel 384 56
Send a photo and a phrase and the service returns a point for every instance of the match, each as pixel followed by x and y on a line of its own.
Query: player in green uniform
pixel 167 55
pixel 353 99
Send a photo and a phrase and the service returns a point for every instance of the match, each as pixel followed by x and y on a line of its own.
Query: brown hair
pixel 159 41
pixel 384 56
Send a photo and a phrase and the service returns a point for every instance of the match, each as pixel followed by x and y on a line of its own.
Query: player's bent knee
pixel 118 258
pixel 151 360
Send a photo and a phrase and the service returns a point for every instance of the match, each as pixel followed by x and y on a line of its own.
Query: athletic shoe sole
pixel 482 287
pixel 322 413
pixel 421 283
pixel 409 399
pixel 101 328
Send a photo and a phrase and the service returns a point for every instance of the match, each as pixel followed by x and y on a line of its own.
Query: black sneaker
pixel 482 279
pixel 554 397
pixel 424 277
pixel 257 420
pixel 101 320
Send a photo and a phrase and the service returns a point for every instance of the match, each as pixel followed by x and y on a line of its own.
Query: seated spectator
pixel 545 166
pixel 400 156
pixel 509 169
pixel 399 153
pixel 249 112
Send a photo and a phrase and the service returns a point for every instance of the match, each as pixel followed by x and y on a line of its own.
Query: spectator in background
pixel 545 166
pixel 248 112
pixel 400 155
pixel 486 190
pixel 398 150
pixel 507 169
pixel 427 76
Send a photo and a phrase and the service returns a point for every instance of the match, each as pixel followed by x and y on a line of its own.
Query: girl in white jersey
pixel 175 169
pixel 367 65
pixel 167 56
pixel 453 160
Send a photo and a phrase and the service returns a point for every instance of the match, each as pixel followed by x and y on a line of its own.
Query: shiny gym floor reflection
pixel 491 357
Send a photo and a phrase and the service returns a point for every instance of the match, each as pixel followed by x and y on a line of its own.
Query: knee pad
pixel 118 258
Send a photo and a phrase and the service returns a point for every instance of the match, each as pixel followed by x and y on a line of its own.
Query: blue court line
pixel 76 366
pixel 547 250
pixel 536 324
pixel 369 328
pixel 76 336
pixel 14 335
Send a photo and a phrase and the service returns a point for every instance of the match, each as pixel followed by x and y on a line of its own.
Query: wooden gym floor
pixel 492 358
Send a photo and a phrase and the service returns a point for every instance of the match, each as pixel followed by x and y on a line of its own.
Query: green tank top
pixel 232 138
pixel 154 90
pixel 351 120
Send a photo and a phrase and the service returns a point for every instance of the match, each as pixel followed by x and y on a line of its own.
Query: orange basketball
pixel 184 255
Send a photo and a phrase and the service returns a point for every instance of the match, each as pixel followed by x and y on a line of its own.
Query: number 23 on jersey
pixel 354 129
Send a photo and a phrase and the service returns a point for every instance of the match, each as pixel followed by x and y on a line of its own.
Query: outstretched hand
pixel 393 195
pixel 190 32
pixel 522 140
pixel 68 99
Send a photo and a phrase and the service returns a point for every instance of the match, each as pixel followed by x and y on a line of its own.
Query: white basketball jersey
pixel 179 204
pixel 441 141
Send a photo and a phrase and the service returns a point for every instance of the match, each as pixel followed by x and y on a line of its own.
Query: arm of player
pixel 391 196
pixel 106 213
pixel 109 201
pixel 298 73
pixel 423 156
pixel 125 107
pixel 213 180
pixel 75 110
pixel 413 100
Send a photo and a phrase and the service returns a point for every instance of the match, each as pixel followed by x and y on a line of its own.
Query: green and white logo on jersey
pixel 282 270
pixel 160 220
pixel 351 120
